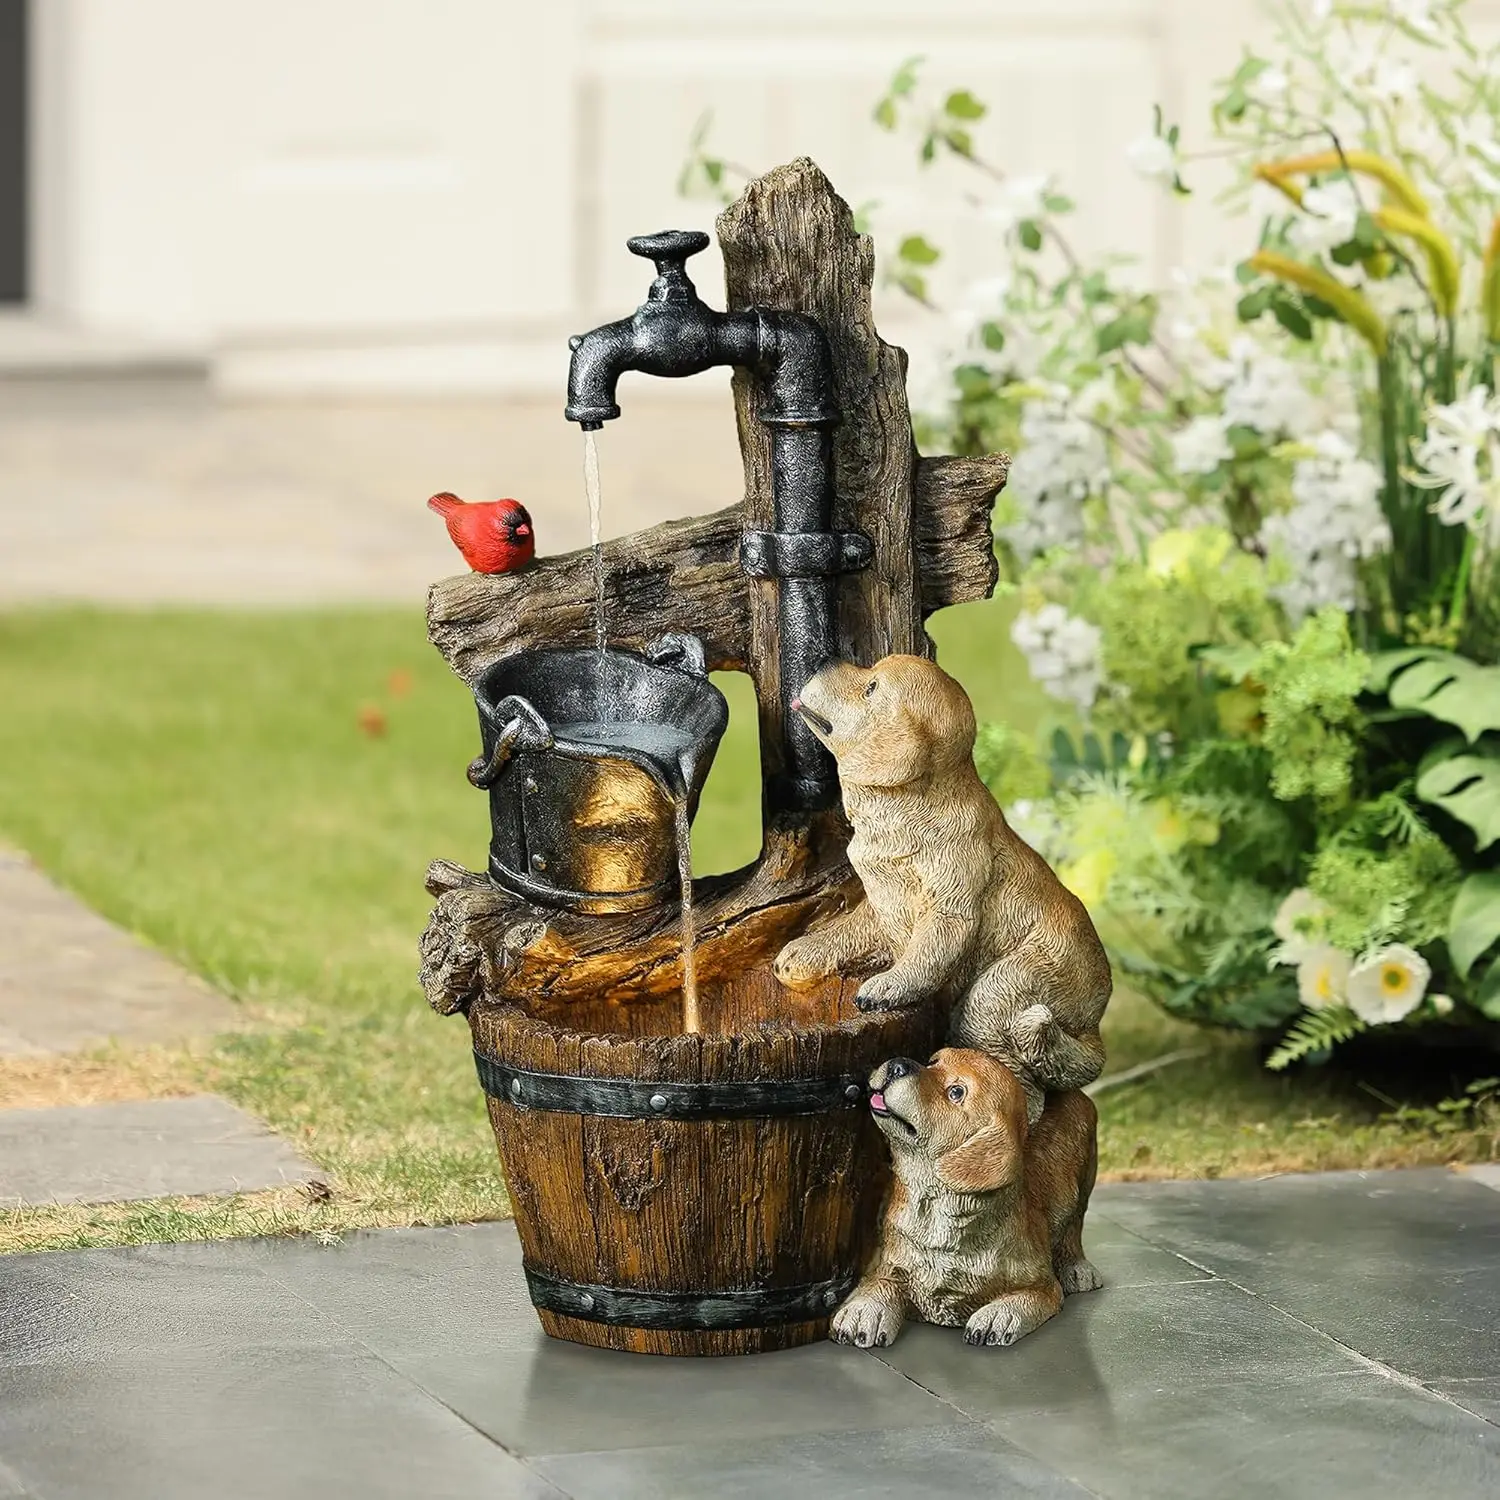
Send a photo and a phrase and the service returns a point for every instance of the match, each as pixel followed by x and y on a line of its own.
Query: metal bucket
pixel 587 755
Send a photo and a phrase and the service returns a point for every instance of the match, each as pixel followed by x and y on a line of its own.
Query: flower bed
pixel 1252 521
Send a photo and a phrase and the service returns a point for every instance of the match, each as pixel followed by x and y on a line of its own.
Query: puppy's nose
pixel 899 1067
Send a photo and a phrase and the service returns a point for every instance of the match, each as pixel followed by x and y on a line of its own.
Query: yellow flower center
pixel 1324 985
pixel 1393 978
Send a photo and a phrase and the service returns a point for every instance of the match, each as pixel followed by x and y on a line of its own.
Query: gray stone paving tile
pixel 1203 1391
pixel 1487 1174
pixel 1124 1258
pixel 244 1424
pixel 1325 1438
pixel 149 1148
pixel 1398 1265
pixel 1183 1337
pixel 407 1290
pixel 937 1463
pixel 1482 1396
pixel 86 1306
pixel 69 979
pixel 556 1397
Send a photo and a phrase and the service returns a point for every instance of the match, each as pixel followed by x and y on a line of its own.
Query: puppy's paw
pixel 866 1322
pixel 1079 1277
pixel 888 991
pixel 997 1324
pixel 1034 1028
pixel 803 962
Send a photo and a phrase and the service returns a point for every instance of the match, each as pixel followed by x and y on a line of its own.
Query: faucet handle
pixel 670 249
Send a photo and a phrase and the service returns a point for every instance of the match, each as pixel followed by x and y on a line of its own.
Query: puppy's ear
pixel 989 1160
pixel 887 755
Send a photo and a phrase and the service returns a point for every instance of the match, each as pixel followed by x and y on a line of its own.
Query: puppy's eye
pixel 870 687
pixel 956 1092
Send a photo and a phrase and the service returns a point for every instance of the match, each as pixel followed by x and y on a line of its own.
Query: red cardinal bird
pixel 495 536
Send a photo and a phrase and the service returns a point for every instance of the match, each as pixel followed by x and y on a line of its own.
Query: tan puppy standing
pixel 955 902
pixel 983 1225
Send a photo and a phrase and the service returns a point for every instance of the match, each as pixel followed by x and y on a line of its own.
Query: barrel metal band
pixel 635 1099
pixel 752 1307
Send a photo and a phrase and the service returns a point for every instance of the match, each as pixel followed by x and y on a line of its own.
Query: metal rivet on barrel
pixel 531 783
pixel 515 1088
pixel 658 1102
pixel 586 1302
pixel 538 861
pixel 853 1092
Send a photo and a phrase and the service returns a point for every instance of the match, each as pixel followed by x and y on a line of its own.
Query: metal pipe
pixel 674 333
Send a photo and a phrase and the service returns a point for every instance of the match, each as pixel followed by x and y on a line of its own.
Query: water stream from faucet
pixel 596 541
pixel 690 1019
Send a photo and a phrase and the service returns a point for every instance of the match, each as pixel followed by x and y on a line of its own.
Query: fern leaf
pixel 1317 1031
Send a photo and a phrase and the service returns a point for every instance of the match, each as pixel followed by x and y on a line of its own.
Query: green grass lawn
pixel 209 780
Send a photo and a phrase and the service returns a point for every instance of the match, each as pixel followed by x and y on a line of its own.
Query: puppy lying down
pixel 956 904
pixel 983 1225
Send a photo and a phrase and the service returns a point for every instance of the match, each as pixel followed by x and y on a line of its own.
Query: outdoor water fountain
pixel 690 1164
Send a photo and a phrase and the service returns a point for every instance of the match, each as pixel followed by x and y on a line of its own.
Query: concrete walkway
pixel 1315 1337
pixel 142 490
pixel 70 980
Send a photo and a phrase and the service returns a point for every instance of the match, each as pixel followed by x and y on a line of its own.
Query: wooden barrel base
pixel 705 1193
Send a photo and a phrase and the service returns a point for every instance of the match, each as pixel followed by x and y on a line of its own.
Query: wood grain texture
pixel 482 941
pixel 692 1206
pixel 686 575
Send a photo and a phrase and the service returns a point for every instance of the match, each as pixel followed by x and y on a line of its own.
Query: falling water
pixel 690 1022
pixel 596 542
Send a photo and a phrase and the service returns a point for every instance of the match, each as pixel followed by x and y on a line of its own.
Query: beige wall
pixel 365 194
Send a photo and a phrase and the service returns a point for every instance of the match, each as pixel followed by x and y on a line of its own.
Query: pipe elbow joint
pixel 796 369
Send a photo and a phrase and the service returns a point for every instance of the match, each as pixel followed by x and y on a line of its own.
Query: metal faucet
pixel 674 333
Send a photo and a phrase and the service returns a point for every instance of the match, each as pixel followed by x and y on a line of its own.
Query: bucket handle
pixel 678 649
pixel 518 723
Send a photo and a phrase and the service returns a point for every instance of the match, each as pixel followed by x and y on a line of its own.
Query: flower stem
pixel 1461 582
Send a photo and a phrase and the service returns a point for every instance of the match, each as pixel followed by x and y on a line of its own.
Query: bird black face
pixel 518 522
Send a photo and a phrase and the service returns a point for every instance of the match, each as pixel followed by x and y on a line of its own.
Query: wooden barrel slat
pixel 693 1209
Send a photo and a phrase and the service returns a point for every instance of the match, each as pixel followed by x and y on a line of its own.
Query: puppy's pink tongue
pixel 877 1102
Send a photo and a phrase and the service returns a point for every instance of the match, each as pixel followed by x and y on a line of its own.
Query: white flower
pixel 1335 523
pixel 1329 217
pixel 1019 198
pixel 1343 491
pixel 1152 156
pixel 1321 977
pixel 1062 653
pixel 1388 986
pixel 1201 446
pixel 1370 73
pixel 1448 458
pixel 1263 392
pixel 1062 459
pixel 1299 922
pixel 1417 14
pixel 1269 86
pixel 1442 1005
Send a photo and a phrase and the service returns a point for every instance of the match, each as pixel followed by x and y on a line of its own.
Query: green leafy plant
pixel 1252 524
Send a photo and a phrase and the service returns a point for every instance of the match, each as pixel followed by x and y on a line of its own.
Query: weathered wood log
pixel 686 575
pixel 483 941
pixel 704 1194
